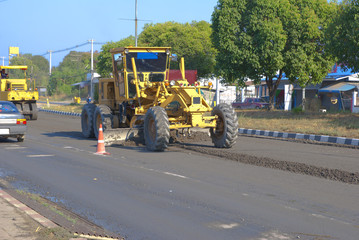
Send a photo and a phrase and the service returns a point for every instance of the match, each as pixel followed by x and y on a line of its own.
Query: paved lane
pixel 180 194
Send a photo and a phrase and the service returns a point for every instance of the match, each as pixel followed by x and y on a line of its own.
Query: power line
pixel 74 47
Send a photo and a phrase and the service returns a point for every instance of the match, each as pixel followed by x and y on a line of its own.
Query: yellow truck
pixel 14 88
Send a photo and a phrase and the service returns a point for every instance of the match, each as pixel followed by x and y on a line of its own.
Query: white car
pixel 12 122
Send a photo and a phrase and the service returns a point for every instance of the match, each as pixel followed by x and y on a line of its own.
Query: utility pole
pixel 50 51
pixel 92 72
pixel 136 20
pixel 136 23
pixel 217 91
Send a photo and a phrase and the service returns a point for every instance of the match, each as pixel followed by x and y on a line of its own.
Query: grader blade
pixel 112 136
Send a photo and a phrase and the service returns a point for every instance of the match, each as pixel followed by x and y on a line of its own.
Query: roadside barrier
pixel 312 137
pixel 101 143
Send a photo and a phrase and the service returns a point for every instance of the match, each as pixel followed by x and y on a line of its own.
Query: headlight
pixel 172 82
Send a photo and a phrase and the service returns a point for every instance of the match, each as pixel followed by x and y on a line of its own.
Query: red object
pixel 191 75
pixel 21 122
pixel 256 103
pixel 101 143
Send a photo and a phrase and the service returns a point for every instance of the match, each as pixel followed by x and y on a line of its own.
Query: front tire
pixel 87 120
pixel 103 114
pixel 156 129
pixel 225 134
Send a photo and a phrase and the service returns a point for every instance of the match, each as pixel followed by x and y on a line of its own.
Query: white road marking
pixel 175 175
pixel 330 218
pixel 167 173
pixel 13 148
pixel 223 225
pixel 291 208
pixel 274 235
pixel 43 155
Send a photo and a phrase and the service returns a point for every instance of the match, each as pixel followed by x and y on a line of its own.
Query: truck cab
pixel 14 87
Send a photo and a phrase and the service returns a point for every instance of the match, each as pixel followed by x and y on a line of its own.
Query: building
pixel 335 93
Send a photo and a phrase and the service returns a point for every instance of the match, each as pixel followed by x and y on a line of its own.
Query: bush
pixel 297 110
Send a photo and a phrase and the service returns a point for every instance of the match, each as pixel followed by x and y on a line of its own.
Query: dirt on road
pixel 199 142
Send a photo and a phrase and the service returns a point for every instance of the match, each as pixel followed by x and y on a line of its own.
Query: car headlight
pixel 172 82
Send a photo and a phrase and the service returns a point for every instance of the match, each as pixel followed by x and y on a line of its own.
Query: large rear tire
pixel 226 132
pixel 87 120
pixel 34 111
pixel 103 114
pixel 156 129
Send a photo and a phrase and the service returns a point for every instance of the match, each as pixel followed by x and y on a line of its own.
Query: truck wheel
pixel 26 110
pixel 156 129
pixel 34 111
pixel 19 107
pixel 226 131
pixel 87 120
pixel 103 114
pixel 21 138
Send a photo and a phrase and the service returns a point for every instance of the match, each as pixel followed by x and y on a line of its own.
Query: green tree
pixel 104 65
pixel 72 69
pixel 37 67
pixel 344 34
pixel 190 40
pixel 269 38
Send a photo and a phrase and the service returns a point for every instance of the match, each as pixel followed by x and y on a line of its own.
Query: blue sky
pixel 36 26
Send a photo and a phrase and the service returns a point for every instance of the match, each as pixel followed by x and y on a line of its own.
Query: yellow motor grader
pixel 140 95
pixel 14 88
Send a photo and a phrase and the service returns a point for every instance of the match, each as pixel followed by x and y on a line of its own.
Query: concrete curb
pixel 33 214
pixel 319 138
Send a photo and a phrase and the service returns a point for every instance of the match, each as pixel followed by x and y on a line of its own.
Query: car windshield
pixel 147 61
pixel 259 100
pixel 8 108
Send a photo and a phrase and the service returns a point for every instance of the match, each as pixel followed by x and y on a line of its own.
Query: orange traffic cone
pixel 101 143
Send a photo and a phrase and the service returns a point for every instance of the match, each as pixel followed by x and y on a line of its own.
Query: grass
pixel 45 203
pixel 332 124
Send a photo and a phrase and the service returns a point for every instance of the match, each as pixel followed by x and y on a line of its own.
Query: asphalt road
pixel 180 194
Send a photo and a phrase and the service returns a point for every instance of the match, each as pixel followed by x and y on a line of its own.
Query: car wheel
pixel 20 138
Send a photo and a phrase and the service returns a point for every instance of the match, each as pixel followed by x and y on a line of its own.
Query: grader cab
pixel 140 95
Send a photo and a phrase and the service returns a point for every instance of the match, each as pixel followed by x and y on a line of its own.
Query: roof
pixel 338 72
pixel 139 49
pixel 14 67
pixel 191 75
pixel 338 87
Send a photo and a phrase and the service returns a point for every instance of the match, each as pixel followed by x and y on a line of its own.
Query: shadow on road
pixel 72 134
